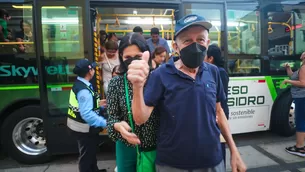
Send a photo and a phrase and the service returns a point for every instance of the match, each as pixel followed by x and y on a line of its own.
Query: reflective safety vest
pixel 74 120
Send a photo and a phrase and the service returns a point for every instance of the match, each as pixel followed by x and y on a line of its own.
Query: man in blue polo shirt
pixel 156 40
pixel 186 93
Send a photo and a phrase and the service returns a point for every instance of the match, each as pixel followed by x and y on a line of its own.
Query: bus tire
pixel 280 123
pixel 22 136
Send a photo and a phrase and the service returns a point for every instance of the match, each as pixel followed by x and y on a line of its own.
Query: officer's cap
pixel 83 66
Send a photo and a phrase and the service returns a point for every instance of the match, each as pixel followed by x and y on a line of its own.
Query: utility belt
pixel 82 128
pixel 77 124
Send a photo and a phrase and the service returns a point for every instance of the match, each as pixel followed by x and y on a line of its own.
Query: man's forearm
pixel 225 130
pixel 139 109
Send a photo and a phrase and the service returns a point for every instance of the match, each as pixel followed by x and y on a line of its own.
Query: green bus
pixel 46 38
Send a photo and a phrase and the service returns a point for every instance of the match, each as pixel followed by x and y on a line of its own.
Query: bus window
pixel 62 35
pixel 286 31
pixel 244 67
pixel 299 30
pixel 243 39
pixel 212 13
pixel 243 29
pixel 63 46
pixel 17 52
pixel 280 35
pixel 277 66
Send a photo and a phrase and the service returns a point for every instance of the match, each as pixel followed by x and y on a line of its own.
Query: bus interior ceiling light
pixel 60 20
pixel 291 2
pixel 29 6
pixel 147 20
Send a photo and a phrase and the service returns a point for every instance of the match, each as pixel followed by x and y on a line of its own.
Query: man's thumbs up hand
pixel 138 70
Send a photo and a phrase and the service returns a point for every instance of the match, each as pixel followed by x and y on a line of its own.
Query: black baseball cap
pixel 83 66
pixel 191 20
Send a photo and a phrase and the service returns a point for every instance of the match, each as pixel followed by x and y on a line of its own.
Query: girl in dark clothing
pixel 214 57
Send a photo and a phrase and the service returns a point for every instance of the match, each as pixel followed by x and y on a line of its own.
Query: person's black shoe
pixel 296 151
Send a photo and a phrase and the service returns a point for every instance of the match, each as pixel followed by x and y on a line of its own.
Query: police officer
pixel 83 116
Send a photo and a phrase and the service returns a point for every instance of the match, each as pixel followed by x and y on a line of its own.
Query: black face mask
pixel 129 60
pixel 193 55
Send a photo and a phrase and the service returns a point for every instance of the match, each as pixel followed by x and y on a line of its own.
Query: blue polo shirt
pixel 162 42
pixel 188 137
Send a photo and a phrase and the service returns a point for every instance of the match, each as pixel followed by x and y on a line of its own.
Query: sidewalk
pixel 270 157
pixel 72 167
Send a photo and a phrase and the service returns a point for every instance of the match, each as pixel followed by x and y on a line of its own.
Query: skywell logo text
pixel 12 70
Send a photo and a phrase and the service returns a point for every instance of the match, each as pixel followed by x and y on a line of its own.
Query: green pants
pixel 126 158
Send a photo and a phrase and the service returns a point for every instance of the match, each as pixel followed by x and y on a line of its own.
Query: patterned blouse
pixel 117 111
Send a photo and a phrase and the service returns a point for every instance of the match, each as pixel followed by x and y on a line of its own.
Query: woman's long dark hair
pixel 128 40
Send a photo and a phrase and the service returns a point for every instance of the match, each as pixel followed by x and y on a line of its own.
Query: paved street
pixel 262 152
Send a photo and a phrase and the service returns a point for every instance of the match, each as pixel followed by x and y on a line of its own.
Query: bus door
pixel 61 32
pixel 119 19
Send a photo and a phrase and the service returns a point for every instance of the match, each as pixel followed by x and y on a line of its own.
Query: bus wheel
pixel 23 137
pixel 282 120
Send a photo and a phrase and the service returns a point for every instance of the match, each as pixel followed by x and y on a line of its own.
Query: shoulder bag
pixel 145 159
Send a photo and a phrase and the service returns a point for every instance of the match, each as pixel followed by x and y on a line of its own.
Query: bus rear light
pixel 261 81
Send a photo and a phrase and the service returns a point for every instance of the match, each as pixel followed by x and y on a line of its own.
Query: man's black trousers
pixel 87 146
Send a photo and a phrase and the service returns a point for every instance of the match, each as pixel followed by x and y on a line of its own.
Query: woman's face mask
pixel 193 55
pixel 130 53
pixel 128 61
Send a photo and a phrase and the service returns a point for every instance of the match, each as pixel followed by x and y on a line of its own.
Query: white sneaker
pixel 116 169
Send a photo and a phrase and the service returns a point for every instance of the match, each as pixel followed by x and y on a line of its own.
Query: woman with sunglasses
pixel 132 47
